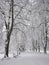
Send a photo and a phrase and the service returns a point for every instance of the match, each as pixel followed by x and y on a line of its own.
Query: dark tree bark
pixel 45 46
pixel 9 31
pixel 38 47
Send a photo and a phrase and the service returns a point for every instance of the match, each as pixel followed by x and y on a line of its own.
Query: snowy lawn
pixel 27 59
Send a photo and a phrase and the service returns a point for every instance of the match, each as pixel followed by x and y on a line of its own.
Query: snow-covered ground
pixel 27 58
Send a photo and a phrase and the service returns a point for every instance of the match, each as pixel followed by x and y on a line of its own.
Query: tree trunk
pixel 7 45
pixel 45 48
pixel 9 31
pixel 36 45
pixel 38 48
pixel 6 49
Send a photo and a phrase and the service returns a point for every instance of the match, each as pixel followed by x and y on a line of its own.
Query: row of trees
pixel 9 25
pixel 28 17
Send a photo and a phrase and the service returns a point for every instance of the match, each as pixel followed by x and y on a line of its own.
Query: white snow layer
pixel 27 59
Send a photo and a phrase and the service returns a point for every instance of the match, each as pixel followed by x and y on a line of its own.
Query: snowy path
pixel 27 59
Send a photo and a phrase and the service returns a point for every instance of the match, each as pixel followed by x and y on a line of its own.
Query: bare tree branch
pixel 21 23
pixel 21 9
pixel 21 31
